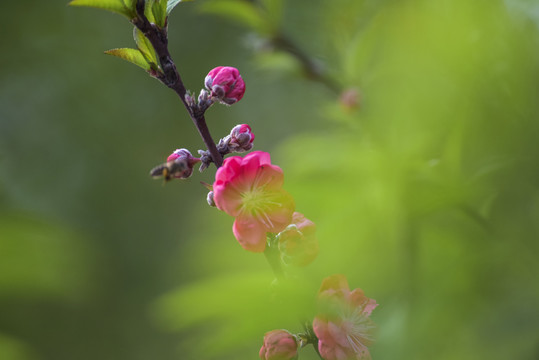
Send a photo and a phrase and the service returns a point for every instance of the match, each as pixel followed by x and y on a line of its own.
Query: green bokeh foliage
pixel 426 196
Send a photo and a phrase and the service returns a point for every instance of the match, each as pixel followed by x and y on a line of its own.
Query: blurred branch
pixel 312 70
pixel 171 78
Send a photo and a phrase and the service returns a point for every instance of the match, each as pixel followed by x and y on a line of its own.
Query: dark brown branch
pixel 171 77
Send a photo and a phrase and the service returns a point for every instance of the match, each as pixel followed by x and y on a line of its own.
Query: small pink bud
pixel 225 84
pixel 297 243
pixel 241 138
pixel 350 99
pixel 279 345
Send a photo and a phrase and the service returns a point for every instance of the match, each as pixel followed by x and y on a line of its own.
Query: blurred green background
pixel 425 194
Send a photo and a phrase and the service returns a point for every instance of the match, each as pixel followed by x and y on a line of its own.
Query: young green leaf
pixel 159 10
pixel 117 6
pixel 148 10
pixel 239 11
pixel 130 4
pixel 172 4
pixel 145 46
pixel 134 56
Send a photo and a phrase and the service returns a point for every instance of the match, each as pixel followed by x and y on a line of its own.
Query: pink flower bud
pixel 279 345
pixel 297 243
pixel 241 138
pixel 179 165
pixel 225 84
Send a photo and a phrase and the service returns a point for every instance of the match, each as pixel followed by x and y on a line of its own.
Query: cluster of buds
pixel 239 140
pixel 203 103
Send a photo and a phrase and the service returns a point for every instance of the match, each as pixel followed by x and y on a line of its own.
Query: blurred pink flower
pixel 279 345
pixel 343 327
pixel 250 189
pixel 297 243
pixel 225 84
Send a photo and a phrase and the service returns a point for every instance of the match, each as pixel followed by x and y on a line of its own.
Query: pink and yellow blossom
pixel 343 326
pixel 250 189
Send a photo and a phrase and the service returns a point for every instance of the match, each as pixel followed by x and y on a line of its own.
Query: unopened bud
pixel 350 99
pixel 225 84
pixel 241 138
pixel 179 165
pixel 279 345
pixel 204 99
pixel 210 200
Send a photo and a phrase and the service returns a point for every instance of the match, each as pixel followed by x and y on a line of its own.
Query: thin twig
pixel 171 77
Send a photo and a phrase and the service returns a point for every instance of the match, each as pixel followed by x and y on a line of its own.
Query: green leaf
pixel 131 5
pixel 159 10
pixel 132 55
pixel 117 6
pixel 145 47
pixel 172 4
pixel 239 11
pixel 148 11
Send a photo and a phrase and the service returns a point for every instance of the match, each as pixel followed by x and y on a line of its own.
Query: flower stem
pixel 170 76
pixel 272 256
pixel 310 337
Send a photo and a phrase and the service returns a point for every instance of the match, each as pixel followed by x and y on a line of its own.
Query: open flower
pixel 279 345
pixel 250 189
pixel 297 243
pixel 343 327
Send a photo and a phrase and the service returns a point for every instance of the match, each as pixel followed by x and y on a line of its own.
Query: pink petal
pixel 264 158
pixel 250 234
pixel 336 282
pixel 229 170
pixel 269 176
pixel 320 328
pixel 363 353
pixel 357 298
pixel 227 198
pixel 369 307
pixel 338 334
